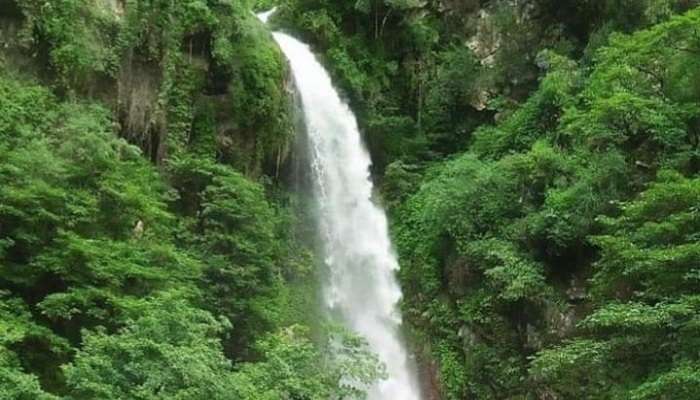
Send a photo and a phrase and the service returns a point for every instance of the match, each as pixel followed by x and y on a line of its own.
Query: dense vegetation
pixel 540 161
pixel 148 246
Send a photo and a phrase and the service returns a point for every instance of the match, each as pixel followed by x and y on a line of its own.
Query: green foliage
pixel 538 116
pixel 236 233
pixel 592 179
pixel 17 385
pixel 584 359
pixel 170 351
pixel 23 109
pixel 20 335
pixel 400 181
pixel 119 280
pixel 680 383
pixel 296 368
pixel 258 94
pixel 79 36
pixel 653 244
pixel 550 254
pixel 450 116
pixel 152 61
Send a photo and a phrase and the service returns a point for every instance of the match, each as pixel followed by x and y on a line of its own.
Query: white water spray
pixel 362 287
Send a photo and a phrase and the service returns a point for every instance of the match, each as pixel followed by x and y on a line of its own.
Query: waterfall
pixel 362 287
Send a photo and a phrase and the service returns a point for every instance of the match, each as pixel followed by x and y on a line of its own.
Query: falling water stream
pixel 362 286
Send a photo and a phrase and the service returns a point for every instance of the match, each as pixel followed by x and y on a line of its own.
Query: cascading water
pixel 362 287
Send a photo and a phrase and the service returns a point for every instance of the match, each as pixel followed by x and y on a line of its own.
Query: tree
pixel 169 350
pixel 295 367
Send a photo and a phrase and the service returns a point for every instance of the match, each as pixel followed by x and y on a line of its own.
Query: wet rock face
pixel 560 322
pixel 430 381
pixel 10 22
pixel 576 293
pixel 141 119
pixel 10 10
pixel 459 275
pixel 116 7
pixel 533 338
pixel 468 336
pixel 459 6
